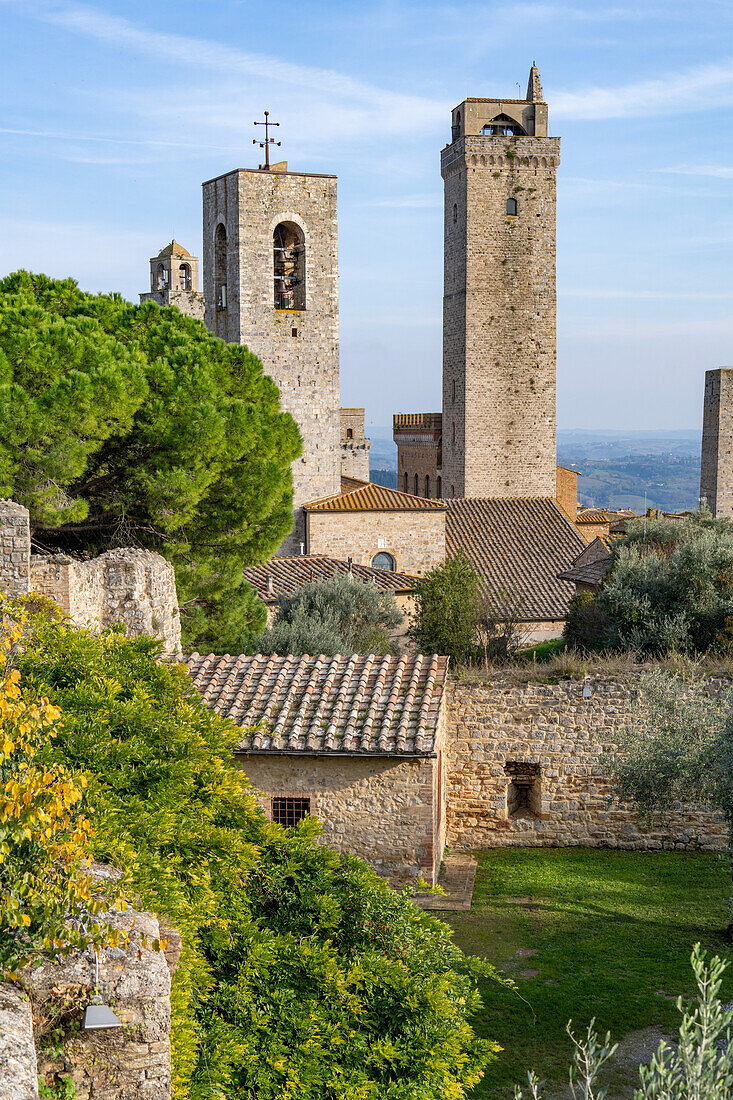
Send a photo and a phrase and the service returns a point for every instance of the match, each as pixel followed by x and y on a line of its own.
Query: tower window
pixel 452 490
pixel 384 560
pixel 349 433
pixel 417 485
pixel 220 267
pixel 289 266
pixel 455 212
pixel 427 486
pixel 440 488
pixel 406 484
pixel 503 126
pixel 511 208
pixel 453 390
pixel 184 277
pixel 161 278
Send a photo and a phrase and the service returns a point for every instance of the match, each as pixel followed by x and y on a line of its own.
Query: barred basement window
pixel 289 811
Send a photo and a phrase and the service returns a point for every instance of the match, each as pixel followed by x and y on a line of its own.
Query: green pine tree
pixel 132 425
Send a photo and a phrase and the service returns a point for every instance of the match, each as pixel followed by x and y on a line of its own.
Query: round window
pixel 384 561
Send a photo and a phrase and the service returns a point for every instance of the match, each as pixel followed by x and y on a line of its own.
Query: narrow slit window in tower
pixel 406 484
pixel 220 267
pixel 417 485
pixel 440 488
pixel 289 266
pixel 427 486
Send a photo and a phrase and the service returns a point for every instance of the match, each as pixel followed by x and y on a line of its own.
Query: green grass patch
pixel 542 651
pixel 613 933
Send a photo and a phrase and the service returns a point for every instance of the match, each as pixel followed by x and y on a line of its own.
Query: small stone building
pixel 377 526
pixel 356 741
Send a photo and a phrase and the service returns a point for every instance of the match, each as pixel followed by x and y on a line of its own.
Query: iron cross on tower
pixel 268 140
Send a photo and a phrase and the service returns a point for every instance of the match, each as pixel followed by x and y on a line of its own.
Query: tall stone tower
pixel 271 282
pixel 499 317
pixel 174 280
pixel 716 467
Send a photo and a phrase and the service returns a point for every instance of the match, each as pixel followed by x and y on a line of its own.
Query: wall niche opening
pixel 523 796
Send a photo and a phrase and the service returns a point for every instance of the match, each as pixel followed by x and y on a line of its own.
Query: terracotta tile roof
pixel 360 704
pixel 591 572
pixel 283 576
pixel 174 249
pixel 365 496
pixel 593 515
pixel 518 546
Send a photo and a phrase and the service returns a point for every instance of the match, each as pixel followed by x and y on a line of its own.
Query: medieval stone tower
pixel 271 282
pixel 499 317
pixel 174 280
pixel 716 467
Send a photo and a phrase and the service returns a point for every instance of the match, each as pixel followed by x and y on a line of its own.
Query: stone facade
pixel 524 768
pixel 271 282
pixel 134 587
pixel 174 281
pixel 716 467
pixel 499 316
pixel 419 453
pixel 354 445
pixel 386 810
pixel 415 539
pixel 15 548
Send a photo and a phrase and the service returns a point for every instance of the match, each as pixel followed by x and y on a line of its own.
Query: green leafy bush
pixel 302 974
pixel 587 624
pixel 133 425
pixel 670 588
pixel 339 615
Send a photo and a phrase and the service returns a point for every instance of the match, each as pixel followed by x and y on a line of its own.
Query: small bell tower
pixel 174 281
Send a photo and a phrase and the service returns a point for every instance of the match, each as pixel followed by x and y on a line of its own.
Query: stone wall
pixel 190 302
pixel 132 1062
pixel 129 586
pixel 499 326
pixel 415 539
pixel 716 468
pixel 299 348
pixel 496 725
pixel 566 490
pixel 15 548
pixel 386 810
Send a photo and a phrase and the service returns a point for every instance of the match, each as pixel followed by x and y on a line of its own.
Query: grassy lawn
pixel 613 933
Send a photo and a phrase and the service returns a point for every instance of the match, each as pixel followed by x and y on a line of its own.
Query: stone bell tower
pixel 499 327
pixel 271 282
pixel 174 280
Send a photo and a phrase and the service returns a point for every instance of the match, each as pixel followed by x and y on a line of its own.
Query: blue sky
pixel 113 113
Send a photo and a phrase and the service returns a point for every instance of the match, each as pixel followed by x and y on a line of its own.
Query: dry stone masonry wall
pixel 134 587
pixel 525 768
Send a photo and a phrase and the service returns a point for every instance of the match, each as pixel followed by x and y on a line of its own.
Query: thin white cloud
pixel 691 91
pixel 647 295
pixel 396 110
pixel 61 135
pixel 714 171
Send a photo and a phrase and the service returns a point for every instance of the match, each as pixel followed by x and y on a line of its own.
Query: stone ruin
pixel 126 585
pixel 131 1062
